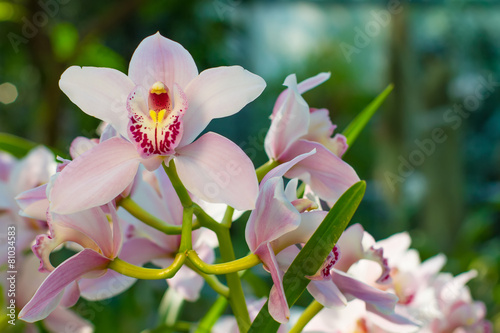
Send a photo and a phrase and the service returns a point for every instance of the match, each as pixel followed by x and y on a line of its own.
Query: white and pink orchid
pixel 297 129
pixel 97 233
pixel 17 176
pixel 158 111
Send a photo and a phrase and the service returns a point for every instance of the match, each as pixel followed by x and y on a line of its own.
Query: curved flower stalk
pixel 97 232
pixel 17 176
pixel 154 193
pixel 159 109
pixel 297 129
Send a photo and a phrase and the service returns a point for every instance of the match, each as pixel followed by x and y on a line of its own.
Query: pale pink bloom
pixel 437 301
pixel 297 129
pixel 274 217
pixel 159 109
pixel 35 203
pixel 335 285
pixel 448 307
pixel 154 193
pixel 97 232
pixel 28 279
pixel 17 176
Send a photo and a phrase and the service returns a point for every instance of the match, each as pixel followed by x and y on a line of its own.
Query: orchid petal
pixel 325 172
pixel 96 177
pixel 7 162
pixel 273 216
pixel 302 87
pixel 139 251
pixel 309 222
pixel 350 243
pixel 283 168
pixel 91 222
pixel 64 320
pixel 99 92
pixel 380 302
pixel 160 59
pixel 290 123
pixel 187 283
pixel 395 247
pixel 106 286
pixel 168 243
pixel 33 170
pixel 34 203
pixel 321 129
pixel 80 145
pixel 326 293
pixel 71 295
pixel 278 305
pixel 291 189
pixel 216 93
pixel 58 234
pixel 217 170
pixel 49 293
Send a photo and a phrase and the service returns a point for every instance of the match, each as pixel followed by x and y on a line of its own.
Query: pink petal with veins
pixel 216 93
pixel 95 177
pixel 217 170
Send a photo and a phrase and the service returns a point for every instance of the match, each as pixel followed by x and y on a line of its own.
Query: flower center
pixel 155 119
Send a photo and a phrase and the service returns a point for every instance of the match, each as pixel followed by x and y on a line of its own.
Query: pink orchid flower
pixel 335 285
pixel 154 193
pixel 97 233
pixel 297 129
pixel 35 202
pixel 17 176
pixel 159 109
pixel 273 218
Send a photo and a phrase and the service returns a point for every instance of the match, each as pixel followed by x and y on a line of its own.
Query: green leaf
pixel 358 124
pixel 15 145
pixel 19 147
pixel 313 254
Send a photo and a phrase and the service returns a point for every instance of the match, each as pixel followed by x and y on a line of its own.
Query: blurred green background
pixel 442 56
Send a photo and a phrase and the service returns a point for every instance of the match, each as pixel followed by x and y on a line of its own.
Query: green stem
pixel 138 272
pixel 211 317
pixel 139 213
pixel 236 296
pixel 211 280
pixel 313 309
pixel 181 191
pixel 227 220
pixel 187 230
pixel 265 168
pixel 206 220
pixel 233 266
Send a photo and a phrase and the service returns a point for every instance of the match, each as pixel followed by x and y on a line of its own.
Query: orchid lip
pixel 155 124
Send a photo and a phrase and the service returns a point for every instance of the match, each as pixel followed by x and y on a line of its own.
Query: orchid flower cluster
pixel 153 190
